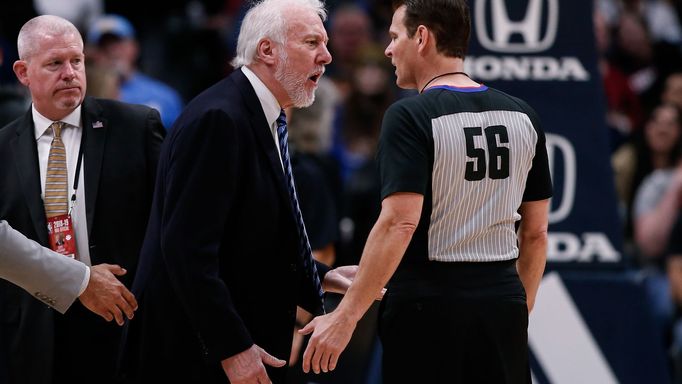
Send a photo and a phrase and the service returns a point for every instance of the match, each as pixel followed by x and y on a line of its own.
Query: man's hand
pixel 331 334
pixel 106 296
pixel 247 367
pixel 339 279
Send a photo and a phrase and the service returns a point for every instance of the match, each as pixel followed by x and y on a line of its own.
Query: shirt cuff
pixel 86 280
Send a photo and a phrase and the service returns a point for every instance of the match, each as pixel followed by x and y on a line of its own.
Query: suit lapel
pixel 261 129
pixel 25 154
pixel 95 130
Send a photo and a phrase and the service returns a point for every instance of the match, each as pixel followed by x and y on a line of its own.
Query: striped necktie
pixel 306 252
pixel 56 187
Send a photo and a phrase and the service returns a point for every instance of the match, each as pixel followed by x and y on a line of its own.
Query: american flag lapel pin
pixel 97 124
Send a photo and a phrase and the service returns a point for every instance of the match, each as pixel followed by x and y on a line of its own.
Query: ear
pixel 267 51
pixel 422 37
pixel 20 68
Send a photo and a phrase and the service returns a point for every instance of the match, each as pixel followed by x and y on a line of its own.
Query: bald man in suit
pixel 110 150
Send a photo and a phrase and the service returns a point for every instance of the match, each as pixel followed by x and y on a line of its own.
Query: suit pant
pixel 86 348
pixel 468 325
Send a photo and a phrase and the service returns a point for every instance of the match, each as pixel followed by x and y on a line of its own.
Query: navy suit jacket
pixel 220 267
pixel 122 143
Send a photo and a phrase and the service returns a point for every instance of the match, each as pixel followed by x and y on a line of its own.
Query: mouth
pixel 316 77
pixel 67 89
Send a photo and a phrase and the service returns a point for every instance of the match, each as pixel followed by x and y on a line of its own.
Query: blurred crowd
pixel 639 43
pixel 166 57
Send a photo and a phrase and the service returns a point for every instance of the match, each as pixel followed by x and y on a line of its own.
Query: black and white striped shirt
pixel 474 154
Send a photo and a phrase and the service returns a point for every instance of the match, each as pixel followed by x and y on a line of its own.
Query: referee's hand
pixel 330 336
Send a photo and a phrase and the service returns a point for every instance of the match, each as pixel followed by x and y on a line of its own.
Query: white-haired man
pixel 226 242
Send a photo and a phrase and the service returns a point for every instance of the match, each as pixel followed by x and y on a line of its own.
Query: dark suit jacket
pixel 220 267
pixel 120 162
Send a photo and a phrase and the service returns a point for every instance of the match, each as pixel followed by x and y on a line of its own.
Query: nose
pixel 325 57
pixel 387 51
pixel 69 72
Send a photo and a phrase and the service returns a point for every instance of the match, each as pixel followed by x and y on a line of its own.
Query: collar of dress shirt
pixel 42 123
pixel 268 101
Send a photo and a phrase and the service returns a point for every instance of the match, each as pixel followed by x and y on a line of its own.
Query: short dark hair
pixel 449 20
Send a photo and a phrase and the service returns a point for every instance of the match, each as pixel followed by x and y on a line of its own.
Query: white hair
pixel 266 19
pixel 33 30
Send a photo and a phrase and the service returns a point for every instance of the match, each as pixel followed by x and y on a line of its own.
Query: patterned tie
pixel 306 251
pixel 56 188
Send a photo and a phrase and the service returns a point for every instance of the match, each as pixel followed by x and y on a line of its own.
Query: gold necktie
pixel 56 187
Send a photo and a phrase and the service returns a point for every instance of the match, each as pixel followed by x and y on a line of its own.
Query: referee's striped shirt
pixel 474 154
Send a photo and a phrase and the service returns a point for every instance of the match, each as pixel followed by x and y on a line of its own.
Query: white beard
pixel 293 83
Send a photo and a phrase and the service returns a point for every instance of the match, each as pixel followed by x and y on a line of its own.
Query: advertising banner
pixel 543 51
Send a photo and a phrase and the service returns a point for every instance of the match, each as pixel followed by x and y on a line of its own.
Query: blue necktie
pixel 304 244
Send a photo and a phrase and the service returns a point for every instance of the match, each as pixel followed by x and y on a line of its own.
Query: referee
pixel 461 164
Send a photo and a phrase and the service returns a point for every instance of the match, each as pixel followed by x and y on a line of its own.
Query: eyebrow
pixel 316 36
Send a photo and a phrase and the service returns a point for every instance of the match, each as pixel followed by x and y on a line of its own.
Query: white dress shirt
pixel 71 137
pixel 270 106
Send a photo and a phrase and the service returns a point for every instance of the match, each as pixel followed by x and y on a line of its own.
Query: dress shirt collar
pixel 42 123
pixel 268 101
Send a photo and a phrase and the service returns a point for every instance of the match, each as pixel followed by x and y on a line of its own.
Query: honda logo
pixel 499 36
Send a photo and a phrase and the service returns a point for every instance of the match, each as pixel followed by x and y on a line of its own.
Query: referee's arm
pixel 385 247
pixel 532 246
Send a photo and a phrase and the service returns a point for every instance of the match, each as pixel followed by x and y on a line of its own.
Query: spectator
pixel 111 42
pixel 102 82
pixel 645 62
pixel 371 92
pixel 350 29
pixel 659 195
pixel 672 91
pixel 657 146
pixel 624 114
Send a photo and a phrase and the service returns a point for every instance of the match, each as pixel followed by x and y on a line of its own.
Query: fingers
pixel 320 361
pixel 270 360
pixel 310 349
pixel 315 362
pixel 381 294
pixel 307 355
pixel 104 313
pixel 130 299
pixel 323 360
pixel 118 315
pixel 123 305
pixel 348 271
pixel 126 301
pixel 106 296
pixel 116 269
pixel 309 328
pixel 333 360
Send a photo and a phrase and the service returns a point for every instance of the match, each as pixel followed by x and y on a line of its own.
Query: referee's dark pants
pixel 455 323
